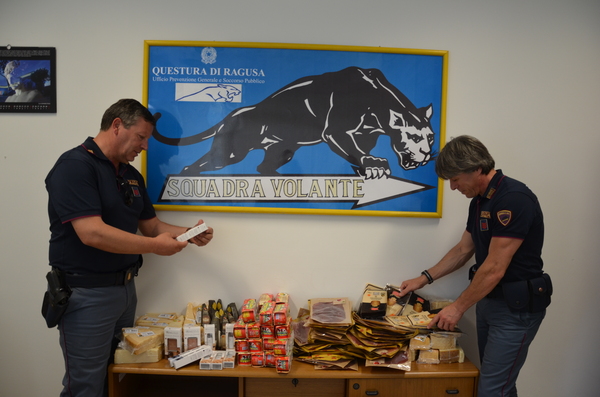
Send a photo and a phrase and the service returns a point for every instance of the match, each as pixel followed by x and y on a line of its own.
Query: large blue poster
pixel 288 128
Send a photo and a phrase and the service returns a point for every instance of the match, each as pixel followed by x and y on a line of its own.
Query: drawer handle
pixel 453 391
pixel 372 393
pixel 295 382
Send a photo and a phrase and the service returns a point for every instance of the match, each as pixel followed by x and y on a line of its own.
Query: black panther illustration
pixel 347 109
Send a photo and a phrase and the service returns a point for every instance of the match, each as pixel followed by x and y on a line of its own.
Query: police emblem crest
pixel 209 55
pixel 504 216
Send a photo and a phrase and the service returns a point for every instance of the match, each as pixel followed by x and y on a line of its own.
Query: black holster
pixel 56 297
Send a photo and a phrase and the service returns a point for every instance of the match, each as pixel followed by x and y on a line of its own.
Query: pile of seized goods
pixel 204 333
pixel 263 333
pixel 259 335
pixel 385 331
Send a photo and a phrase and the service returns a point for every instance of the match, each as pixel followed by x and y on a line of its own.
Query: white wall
pixel 523 77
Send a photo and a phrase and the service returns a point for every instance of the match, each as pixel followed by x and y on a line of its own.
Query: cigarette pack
pixel 190 356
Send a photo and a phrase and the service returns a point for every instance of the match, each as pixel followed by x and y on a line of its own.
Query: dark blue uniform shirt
pixel 84 183
pixel 509 209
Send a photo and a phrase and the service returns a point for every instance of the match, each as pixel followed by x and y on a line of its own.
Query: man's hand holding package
pixel 446 319
pixel 203 238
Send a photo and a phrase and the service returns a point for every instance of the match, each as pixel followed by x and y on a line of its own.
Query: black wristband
pixel 426 274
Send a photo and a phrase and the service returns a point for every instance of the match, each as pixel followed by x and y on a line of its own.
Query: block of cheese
pixel 438 304
pixel 156 320
pixel 140 339
pixel 124 356
pixel 190 313
pixel 412 354
pixel 455 355
pixel 420 342
pixel 442 340
pixel 431 356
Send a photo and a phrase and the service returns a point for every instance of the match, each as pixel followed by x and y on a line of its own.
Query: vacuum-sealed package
pixel 331 311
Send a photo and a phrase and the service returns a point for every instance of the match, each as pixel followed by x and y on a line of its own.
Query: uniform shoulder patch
pixel 504 217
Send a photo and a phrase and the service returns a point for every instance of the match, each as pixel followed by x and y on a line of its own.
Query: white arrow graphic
pixel 377 190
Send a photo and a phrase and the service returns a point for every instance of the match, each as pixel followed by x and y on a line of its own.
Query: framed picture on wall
pixel 27 80
pixel 293 128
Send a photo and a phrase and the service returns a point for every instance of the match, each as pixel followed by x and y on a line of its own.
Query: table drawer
pixel 292 387
pixel 421 387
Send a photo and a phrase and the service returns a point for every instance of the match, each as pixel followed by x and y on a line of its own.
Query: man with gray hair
pixel 505 232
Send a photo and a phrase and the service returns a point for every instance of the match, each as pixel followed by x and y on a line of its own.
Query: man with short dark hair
pixel 505 232
pixel 97 203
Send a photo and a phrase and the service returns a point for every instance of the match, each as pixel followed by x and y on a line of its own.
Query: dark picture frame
pixel 27 79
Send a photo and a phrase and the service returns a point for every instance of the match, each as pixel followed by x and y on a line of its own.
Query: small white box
pixel 205 363
pixel 173 340
pixel 193 232
pixel 229 359
pixel 173 337
pixel 210 336
pixel 217 360
pixel 192 336
pixel 229 337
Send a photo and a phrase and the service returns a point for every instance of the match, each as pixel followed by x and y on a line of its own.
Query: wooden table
pixel 424 380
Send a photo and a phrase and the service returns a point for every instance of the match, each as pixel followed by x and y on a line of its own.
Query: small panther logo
pixel 213 93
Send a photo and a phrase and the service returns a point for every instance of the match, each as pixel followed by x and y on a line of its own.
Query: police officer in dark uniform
pixel 505 232
pixel 97 203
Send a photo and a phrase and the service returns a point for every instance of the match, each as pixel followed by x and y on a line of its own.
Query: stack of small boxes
pixel 219 359
pixel 190 341
pixel 263 334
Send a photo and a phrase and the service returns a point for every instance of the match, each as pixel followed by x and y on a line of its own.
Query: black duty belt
pixel 97 280
pixel 531 295
pixel 497 292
